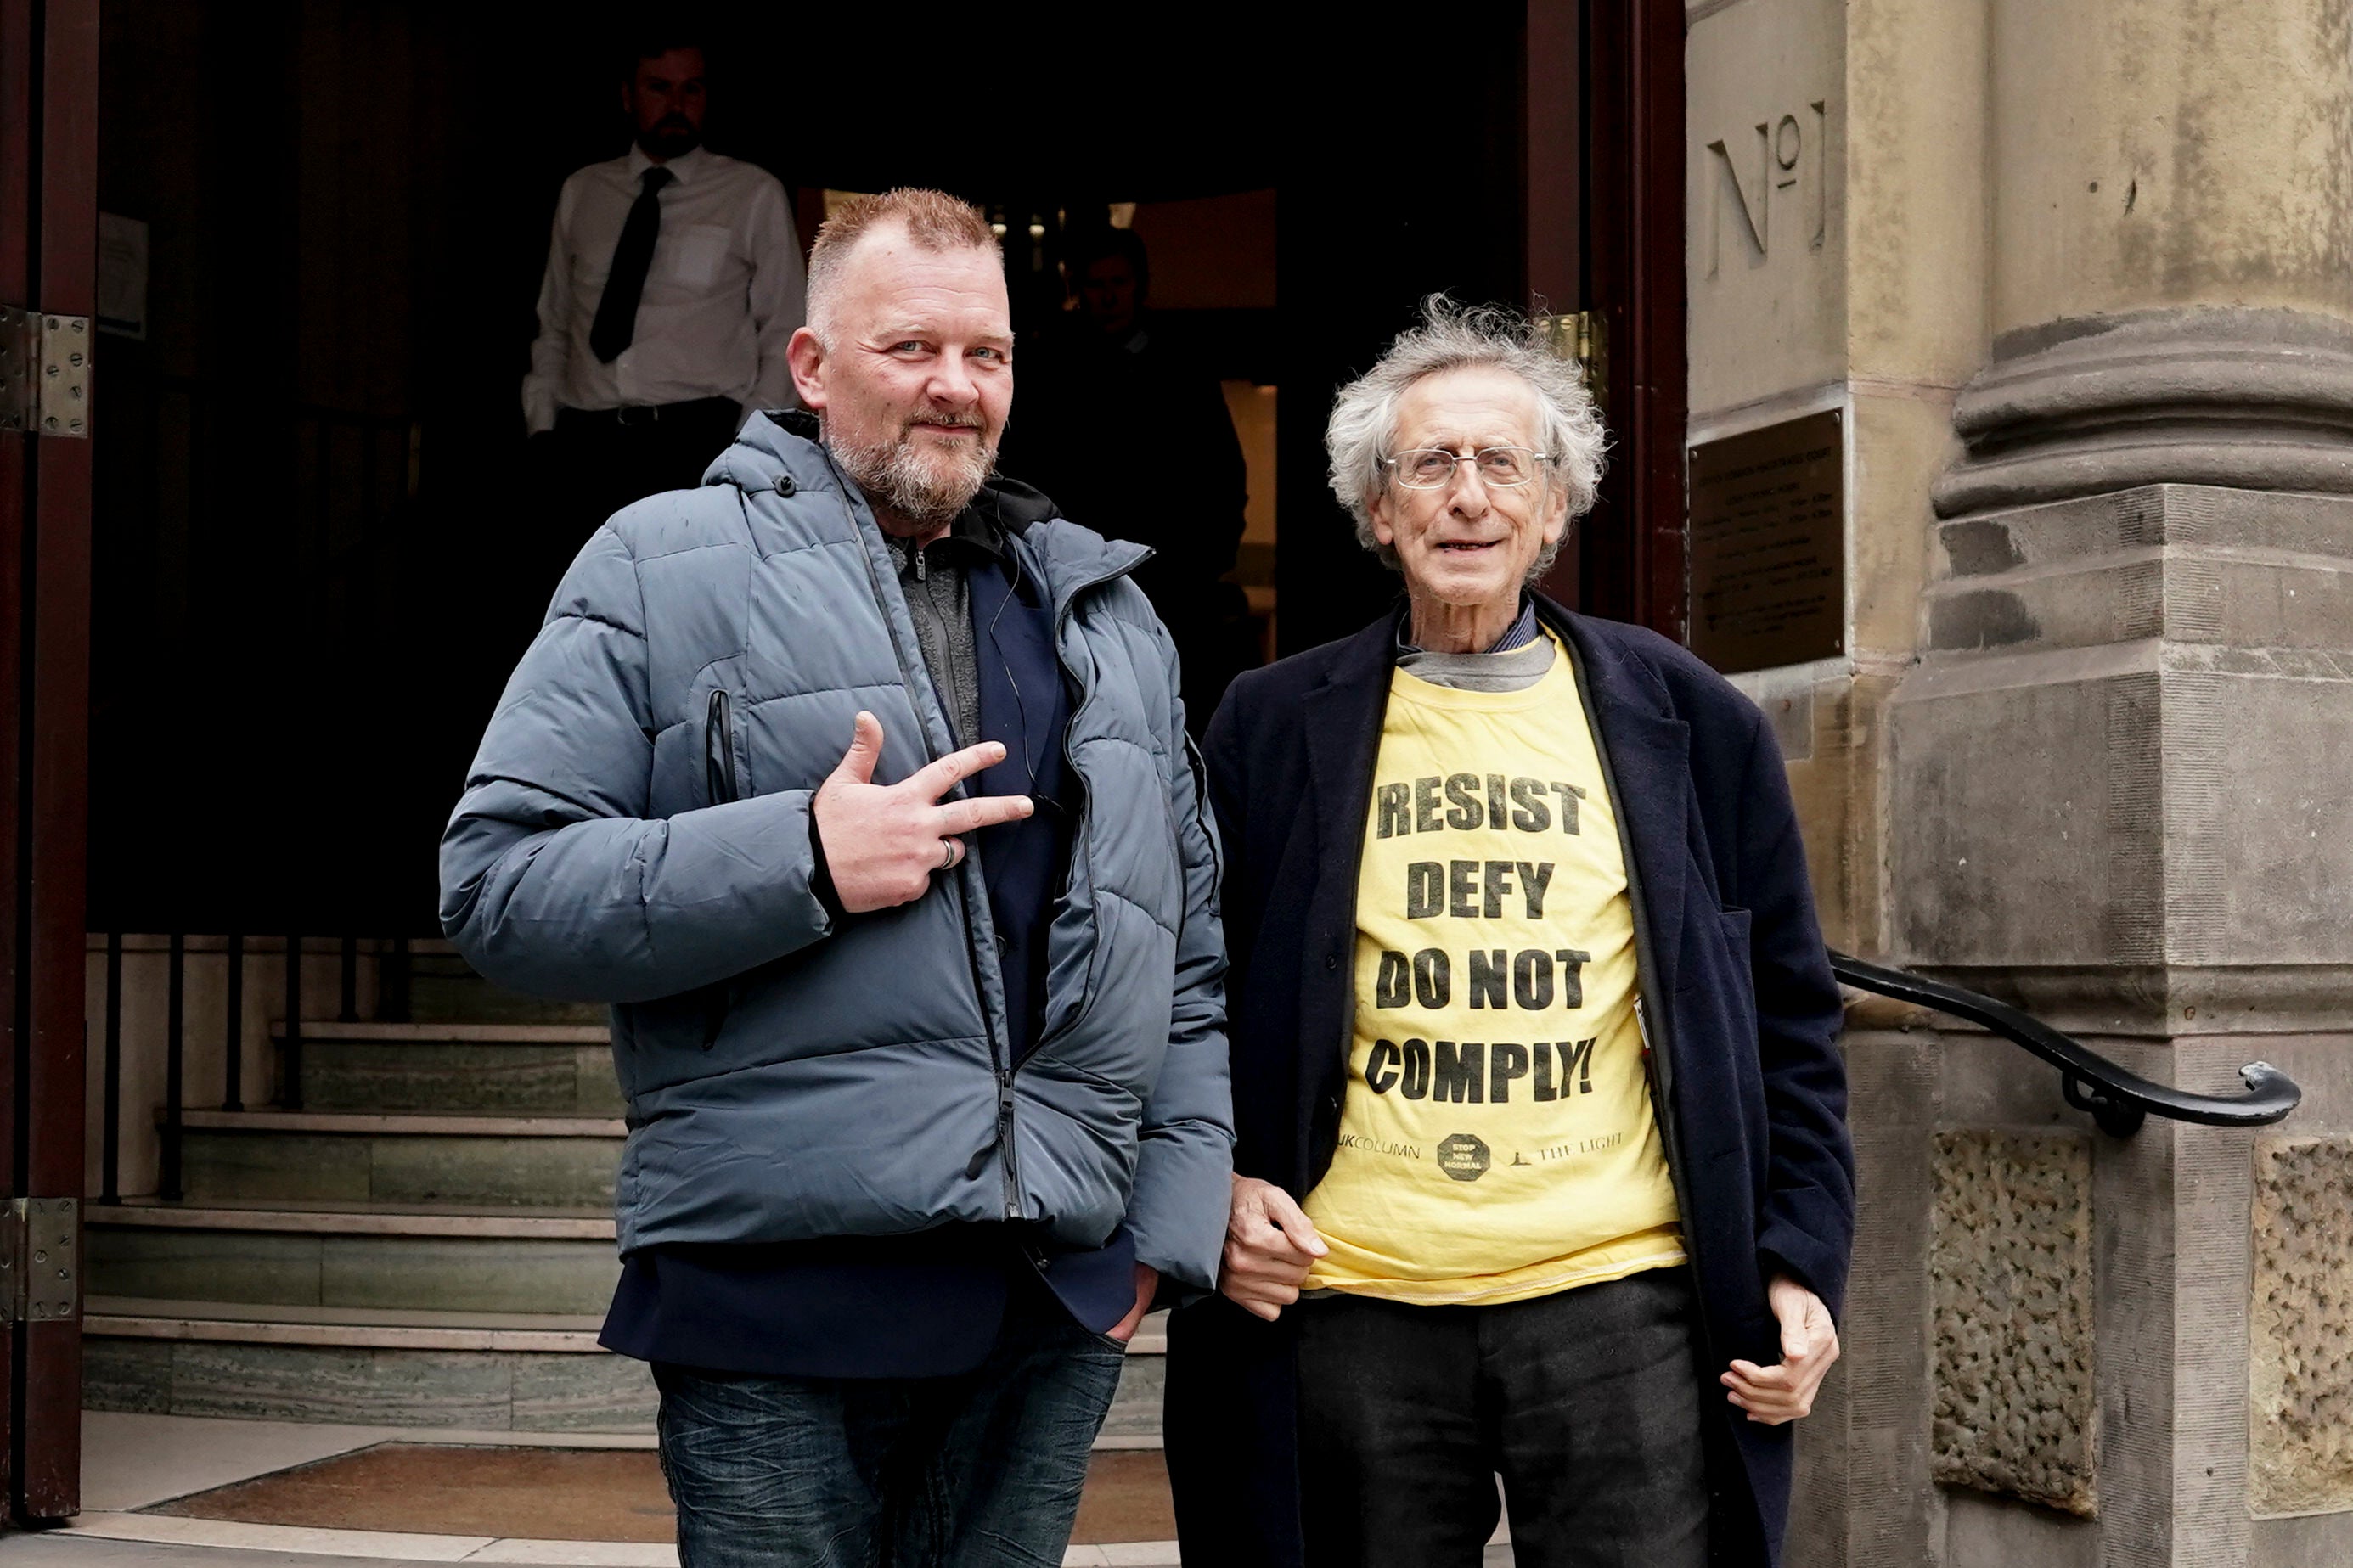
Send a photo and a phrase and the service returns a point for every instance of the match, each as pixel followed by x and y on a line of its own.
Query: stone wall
pixel 2079 277
pixel 2010 1279
pixel 2300 1420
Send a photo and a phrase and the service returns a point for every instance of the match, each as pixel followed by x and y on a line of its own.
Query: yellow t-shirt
pixel 1496 1143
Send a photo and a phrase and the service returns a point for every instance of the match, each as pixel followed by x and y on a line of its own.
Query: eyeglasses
pixel 1429 468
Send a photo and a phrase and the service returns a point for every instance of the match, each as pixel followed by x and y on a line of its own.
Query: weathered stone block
pixel 553 1173
pixel 2300 1409
pixel 1135 1406
pixel 571 1393
pixel 362 1386
pixel 126 1374
pixel 467 1274
pixel 2010 1273
pixel 440 1075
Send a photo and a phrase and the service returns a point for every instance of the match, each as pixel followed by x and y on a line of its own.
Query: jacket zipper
pixel 997 1054
pixel 1086 798
pixel 719 783
pixel 999 1057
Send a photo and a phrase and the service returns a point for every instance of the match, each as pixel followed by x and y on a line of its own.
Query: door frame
pixel 1632 565
pixel 49 245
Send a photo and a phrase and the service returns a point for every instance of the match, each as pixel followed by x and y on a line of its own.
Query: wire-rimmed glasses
pixel 1431 468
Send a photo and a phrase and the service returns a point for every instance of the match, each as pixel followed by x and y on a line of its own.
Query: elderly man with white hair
pixel 1543 1171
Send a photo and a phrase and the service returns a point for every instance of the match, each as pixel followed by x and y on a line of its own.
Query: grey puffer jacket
pixel 858 1084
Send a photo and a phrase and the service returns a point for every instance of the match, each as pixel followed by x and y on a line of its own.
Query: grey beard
pixel 895 476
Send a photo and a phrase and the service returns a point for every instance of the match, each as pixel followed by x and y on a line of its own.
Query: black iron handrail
pixel 2118 1099
pixel 391 1005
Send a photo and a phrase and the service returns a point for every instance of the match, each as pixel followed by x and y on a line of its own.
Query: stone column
pixel 1837 255
pixel 2120 791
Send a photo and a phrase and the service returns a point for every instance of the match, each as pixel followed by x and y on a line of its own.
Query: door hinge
pixel 40 1260
pixel 1582 336
pixel 45 373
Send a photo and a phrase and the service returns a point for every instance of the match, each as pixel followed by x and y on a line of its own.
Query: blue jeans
pixel 979 1470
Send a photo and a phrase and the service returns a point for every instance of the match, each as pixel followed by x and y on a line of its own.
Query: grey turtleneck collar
pixel 1517 661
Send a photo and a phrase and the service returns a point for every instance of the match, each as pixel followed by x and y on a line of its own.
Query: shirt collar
pixel 970 534
pixel 682 168
pixel 972 531
pixel 1523 631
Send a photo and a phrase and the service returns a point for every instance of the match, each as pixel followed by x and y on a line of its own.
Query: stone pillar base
pixel 2122 794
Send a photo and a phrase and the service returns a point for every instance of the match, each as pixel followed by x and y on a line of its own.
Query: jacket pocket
pixel 718 774
pixel 720 788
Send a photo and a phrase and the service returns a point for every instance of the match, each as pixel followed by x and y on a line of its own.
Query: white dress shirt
pixel 725 292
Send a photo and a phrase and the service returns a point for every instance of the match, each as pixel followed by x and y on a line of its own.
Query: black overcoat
pixel 1733 976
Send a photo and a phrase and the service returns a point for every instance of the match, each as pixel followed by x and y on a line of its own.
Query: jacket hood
pixel 779 451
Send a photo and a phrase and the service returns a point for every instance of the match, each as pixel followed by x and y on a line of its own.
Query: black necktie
pixel 633 253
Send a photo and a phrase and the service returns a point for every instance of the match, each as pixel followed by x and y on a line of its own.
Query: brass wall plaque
pixel 1768 545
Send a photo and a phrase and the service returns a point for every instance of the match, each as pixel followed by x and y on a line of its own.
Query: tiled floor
pixel 133 1464
pixel 145 1475
pixel 82 1551
pixel 560 1494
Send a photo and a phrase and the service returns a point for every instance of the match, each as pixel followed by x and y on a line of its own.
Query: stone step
pixel 483 1260
pixel 367 1159
pixel 362 1328
pixel 442 986
pixel 494 1371
pixel 546 1068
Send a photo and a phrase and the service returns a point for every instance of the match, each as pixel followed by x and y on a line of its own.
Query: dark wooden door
pixel 1547 175
pixel 1632 566
pixel 48 235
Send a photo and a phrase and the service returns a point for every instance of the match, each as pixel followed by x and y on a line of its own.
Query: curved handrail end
pixel 2118 1099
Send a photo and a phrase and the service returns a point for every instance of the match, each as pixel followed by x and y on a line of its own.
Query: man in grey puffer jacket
pixel 927 1083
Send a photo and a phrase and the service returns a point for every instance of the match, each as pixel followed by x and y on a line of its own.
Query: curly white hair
pixel 1363 426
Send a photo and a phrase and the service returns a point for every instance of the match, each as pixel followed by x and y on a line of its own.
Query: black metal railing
pixel 302 579
pixel 2118 1099
pixel 390 1004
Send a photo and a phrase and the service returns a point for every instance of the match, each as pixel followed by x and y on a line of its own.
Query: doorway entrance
pixel 315 525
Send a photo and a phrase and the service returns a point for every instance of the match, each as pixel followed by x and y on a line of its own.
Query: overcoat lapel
pixel 1648 754
pixel 1344 736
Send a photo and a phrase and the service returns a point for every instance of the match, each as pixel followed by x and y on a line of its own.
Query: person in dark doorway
pixel 924 1041
pixel 673 284
pixel 1135 438
pixel 1542 1167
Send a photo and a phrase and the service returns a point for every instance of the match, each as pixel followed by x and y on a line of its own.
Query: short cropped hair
pixel 652 43
pixel 1362 430
pixel 933 220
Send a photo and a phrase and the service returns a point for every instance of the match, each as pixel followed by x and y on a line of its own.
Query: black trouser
pixel 597 461
pixel 1586 1403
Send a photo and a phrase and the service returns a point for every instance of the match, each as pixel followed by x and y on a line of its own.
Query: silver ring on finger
pixel 951 851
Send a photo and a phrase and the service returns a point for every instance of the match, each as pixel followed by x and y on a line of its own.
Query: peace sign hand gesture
pixel 882 842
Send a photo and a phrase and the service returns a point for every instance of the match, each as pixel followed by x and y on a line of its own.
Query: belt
pixel 649 412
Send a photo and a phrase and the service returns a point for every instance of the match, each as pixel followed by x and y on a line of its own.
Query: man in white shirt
pixel 674 280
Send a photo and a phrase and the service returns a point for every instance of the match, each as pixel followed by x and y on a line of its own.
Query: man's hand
pixel 882 842
pixel 1269 1246
pixel 1773 1394
pixel 1147 1286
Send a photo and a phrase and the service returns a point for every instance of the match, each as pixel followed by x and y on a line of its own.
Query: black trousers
pixel 594 462
pixel 1587 1404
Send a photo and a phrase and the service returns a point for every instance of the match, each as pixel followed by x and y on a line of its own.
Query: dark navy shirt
pixel 926 1305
